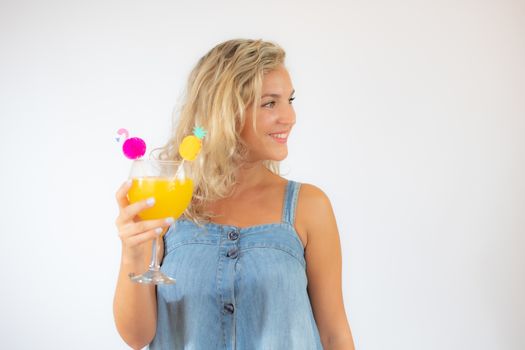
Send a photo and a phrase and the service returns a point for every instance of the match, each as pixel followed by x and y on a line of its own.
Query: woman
pixel 257 258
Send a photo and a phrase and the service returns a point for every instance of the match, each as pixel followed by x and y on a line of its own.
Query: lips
pixel 280 136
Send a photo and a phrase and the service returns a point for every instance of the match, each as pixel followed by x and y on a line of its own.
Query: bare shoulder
pixel 313 197
pixel 314 210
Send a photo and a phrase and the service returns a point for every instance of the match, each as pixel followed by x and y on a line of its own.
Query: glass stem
pixel 154 264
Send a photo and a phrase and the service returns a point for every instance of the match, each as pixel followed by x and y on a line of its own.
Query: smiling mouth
pixel 280 137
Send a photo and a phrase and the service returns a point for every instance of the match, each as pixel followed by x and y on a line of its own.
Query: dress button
pixel 229 308
pixel 232 253
pixel 233 235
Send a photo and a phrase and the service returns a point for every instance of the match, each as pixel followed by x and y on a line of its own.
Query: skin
pixel 256 199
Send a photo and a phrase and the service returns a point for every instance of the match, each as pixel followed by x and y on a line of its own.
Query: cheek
pixel 265 122
pixel 251 138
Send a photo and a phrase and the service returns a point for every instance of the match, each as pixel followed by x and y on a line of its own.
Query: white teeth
pixel 279 136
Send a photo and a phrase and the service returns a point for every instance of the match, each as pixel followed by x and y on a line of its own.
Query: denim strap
pixel 290 202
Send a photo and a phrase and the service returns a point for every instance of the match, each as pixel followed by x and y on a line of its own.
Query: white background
pixel 411 117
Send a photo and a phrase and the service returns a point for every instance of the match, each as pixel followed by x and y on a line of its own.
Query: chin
pixel 278 157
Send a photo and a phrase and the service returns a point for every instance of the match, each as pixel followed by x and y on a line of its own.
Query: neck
pixel 250 175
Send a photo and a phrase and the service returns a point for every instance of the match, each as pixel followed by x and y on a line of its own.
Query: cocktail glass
pixel 171 186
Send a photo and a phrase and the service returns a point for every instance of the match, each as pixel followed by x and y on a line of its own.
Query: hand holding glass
pixel 168 182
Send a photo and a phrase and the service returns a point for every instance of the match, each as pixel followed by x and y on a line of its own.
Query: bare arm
pixel 323 261
pixel 135 305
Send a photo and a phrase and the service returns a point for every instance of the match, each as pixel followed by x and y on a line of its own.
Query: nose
pixel 287 115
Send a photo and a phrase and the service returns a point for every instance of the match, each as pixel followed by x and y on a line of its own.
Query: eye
pixel 269 104
pixel 291 100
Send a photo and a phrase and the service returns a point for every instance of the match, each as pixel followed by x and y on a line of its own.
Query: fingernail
pixel 170 220
pixel 158 230
pixel 150 201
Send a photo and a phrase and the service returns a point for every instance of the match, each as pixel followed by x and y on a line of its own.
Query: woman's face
pixel 274 121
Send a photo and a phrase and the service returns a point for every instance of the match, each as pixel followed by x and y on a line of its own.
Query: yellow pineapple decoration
pixel 191 145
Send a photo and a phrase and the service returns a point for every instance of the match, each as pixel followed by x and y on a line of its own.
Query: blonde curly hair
pixel 220 87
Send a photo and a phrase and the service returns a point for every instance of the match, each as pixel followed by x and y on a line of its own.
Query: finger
pixel 128 213
pixel 144 237
pixel 121 194
pixel 133 229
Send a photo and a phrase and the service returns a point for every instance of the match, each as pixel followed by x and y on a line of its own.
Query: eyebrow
pixel 276 95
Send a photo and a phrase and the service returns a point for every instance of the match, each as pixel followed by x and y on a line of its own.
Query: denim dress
pixel 236 288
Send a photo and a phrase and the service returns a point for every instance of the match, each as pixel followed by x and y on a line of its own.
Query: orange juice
pixel 172 196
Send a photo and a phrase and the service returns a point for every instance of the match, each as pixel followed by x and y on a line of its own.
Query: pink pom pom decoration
pixel 134 147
